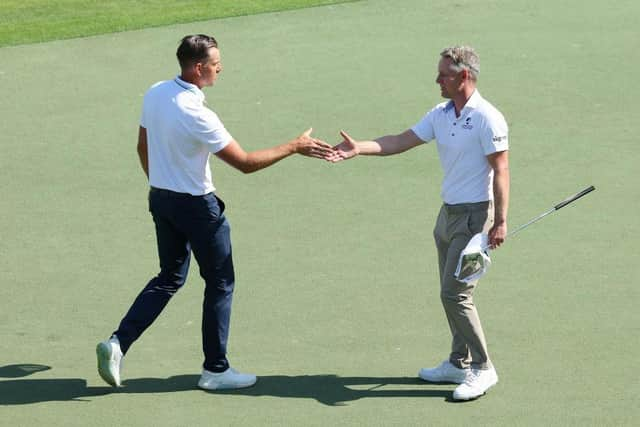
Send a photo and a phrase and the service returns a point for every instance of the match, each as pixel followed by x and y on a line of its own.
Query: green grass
pixel 337 299
pixel 33 21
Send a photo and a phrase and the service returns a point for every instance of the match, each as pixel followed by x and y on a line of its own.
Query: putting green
pixel 337 303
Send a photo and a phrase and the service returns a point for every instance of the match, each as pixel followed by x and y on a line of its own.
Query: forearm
pixel 501 195
pixel 142 150
pixel 260 159
pixel 383 146
pixel 144 160
pixel 389 144
pixel 370 148
pixel 245 162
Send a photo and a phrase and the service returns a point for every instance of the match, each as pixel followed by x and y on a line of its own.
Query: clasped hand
pixel 308 146
pixel 319 149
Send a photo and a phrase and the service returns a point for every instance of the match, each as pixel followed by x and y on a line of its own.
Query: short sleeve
pixel 424 128
pixel 146 103
pixel 495 134
pixel 143 114
pixel 209 130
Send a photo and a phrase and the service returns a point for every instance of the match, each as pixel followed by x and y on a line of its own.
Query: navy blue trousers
pixel 186 223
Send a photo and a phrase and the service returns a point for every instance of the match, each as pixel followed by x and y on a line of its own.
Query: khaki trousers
pixel 455 226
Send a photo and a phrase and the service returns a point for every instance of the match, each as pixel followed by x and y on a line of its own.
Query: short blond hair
pixel 464 58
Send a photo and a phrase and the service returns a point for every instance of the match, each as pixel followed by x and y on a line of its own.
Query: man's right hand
pixel 311 147
pixel 347 149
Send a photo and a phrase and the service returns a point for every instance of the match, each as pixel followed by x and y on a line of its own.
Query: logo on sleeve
pixel 499 138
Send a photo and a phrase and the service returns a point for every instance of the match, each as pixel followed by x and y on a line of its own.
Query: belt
pixel 171 192
pixel 184 196
pixel 466 207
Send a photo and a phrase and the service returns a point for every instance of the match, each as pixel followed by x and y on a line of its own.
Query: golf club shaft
pixel 555 208
pixel 525 225
pixel 552 210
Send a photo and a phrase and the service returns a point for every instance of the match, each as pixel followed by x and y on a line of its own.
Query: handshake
pixel 308 146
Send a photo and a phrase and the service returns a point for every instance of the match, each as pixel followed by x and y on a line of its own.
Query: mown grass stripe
pixel 35 21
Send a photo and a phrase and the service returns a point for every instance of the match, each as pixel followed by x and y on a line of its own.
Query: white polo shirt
pixel 463 146
pixel 181 134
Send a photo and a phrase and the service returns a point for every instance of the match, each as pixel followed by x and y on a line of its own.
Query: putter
pixel 472 265
pixel 560 205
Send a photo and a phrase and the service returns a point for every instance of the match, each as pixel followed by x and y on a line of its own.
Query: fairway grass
pixel 32 21
pixel 337 304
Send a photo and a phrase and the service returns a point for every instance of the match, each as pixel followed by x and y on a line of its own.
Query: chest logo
pixel 467 124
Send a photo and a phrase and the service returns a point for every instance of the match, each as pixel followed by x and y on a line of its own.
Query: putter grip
pixel 576 197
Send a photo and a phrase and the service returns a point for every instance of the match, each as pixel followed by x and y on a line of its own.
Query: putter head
pixel 471 265
pixel 474 259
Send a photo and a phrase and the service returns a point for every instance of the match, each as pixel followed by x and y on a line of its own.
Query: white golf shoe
pixel 446 372
pixel 110 360
pixel 477 383
pixel 229 379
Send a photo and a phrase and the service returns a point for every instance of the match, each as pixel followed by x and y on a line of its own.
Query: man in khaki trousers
pixel 472 142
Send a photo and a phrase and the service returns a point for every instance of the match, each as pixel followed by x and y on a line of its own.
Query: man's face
pixel 450 81
pixel 210 69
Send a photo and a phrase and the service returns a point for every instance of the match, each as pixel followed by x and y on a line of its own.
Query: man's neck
pixel 460 100
pixel 190 79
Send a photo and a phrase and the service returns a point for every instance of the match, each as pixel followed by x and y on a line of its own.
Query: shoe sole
pixel 227 386
pixel 441 380
pixel 103 353
pixel 474 397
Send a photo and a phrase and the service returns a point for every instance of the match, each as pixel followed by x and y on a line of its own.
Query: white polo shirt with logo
pixel 181 134
pixel 463 146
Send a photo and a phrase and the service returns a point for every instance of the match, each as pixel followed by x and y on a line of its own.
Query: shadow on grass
pixel 330 390
pixel 333 390
pixel 21 370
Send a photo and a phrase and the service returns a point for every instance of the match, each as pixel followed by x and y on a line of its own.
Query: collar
pixel 472 103
pixel 190 87
pixel 449 106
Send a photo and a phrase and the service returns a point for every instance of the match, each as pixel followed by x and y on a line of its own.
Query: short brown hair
pixel 194 49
